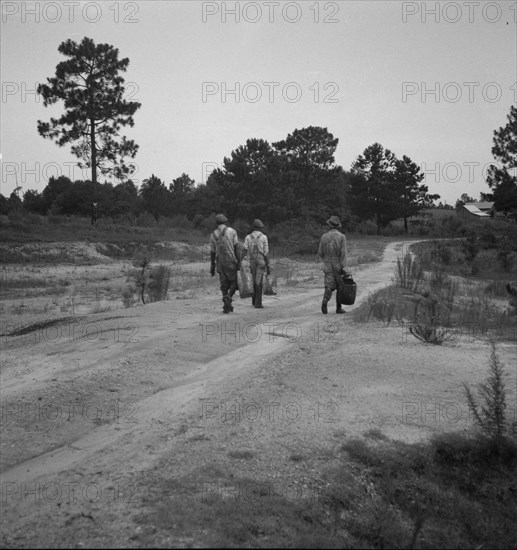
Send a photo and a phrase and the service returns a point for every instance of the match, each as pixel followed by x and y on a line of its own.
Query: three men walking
pixel 225 258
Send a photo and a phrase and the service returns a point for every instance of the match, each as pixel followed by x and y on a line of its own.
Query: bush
pixel 367 228
pixel 242 227
pixel 445 254
pixel 197 220
pixel 470 247
pixel 208 224
pixel 430 317
pixel 409 273
pixel 490 415
pixel 128 297
pixel 145 219
pixel 430 333
pixel 158 285
pixel 35 219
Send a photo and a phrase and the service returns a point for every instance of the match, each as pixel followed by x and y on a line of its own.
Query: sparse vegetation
pixel 437 303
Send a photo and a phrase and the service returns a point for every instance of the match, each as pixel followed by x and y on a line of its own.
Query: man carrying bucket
pixel 224 255
pixel 332 251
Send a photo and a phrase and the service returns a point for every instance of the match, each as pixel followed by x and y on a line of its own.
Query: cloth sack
pixel 245 281
pixel 269 289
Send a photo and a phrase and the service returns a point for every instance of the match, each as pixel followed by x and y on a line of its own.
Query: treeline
pixel 295 178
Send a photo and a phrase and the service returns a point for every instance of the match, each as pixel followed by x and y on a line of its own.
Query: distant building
pixel 478 209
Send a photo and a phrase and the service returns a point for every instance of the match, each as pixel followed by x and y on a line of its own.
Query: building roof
pixel 473 208
pixel 484 205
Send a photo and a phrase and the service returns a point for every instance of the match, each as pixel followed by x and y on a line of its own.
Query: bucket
pixel 347 290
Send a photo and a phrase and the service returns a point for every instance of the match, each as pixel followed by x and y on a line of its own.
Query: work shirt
pixel 223 246
pixel 256 245
pixel 332 250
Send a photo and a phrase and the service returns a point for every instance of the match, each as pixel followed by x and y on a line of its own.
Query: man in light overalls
pixel 224 254
pixel 257 248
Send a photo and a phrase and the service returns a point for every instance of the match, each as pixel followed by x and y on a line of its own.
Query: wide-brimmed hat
pixel 258 224
pixel 334 222
pixel 221 218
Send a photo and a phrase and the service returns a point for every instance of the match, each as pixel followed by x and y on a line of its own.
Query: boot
pixel 232 291
pixel 258 297
pixel 227 307
pixel 339 309
pixel 326 297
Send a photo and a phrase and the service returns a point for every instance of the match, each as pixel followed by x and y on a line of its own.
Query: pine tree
pixel 92 90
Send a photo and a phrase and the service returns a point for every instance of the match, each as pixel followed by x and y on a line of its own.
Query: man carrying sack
pixel 332 251
pixel 257 247
pixel 224 255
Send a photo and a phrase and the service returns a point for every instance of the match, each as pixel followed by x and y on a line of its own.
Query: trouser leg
pixel 337 282
pixel 330 286
pixel 257 284
pixel 253 270
pixel 225 290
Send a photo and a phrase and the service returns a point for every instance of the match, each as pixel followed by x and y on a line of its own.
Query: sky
pixel 429 80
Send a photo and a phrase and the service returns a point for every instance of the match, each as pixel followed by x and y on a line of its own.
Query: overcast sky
pixel 425 79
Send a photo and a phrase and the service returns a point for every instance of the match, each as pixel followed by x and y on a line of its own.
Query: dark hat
pixel 258 224
pixel 221 218
pixel 334 222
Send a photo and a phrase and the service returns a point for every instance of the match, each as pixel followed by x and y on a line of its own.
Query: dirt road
pixel 98 412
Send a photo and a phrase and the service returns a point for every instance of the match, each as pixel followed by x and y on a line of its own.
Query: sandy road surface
pixel 97 413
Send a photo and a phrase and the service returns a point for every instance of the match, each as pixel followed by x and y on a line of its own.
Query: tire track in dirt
pixel 188 390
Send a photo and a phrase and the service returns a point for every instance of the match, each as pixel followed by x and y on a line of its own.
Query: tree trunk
pixel 378 223
pixel 405 224
pixel 94 171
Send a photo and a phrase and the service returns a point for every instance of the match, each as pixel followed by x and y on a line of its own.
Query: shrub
pixel 241 226
pixel 490 415
pixel 431 334
pixel 197 220
pixel 208 224
pixel 367 257
pixel 512 291
pixel 409 273
pixel 367 228
pixel 445 254
pixel 145 219
pixel 497 288
pixel 470 247
pixel 142 261
pixel 128 297
pixel 429 322
pixel 158 285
